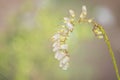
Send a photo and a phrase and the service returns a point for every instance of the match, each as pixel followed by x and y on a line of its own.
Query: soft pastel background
pixel 26 27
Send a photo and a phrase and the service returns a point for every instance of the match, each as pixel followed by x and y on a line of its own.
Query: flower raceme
pixel 60 48
pixel 59 41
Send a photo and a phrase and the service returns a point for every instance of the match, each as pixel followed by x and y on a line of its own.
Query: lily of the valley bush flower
pixel 60 47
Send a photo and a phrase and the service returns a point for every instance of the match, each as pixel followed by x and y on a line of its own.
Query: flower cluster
pixel 83 13
pixel 98 33
pixel 96 28
pixel 59 41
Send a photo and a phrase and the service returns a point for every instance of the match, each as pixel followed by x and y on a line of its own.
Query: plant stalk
pixel 107 43
pixel 111 52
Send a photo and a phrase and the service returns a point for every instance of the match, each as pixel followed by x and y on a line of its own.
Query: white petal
pixel 56 36
pixel 72 13
pixel 56 48
pixel 65 60
pixel 59 55
pixel 69 26
pixel 66 19
pixel 84 9
pixel 65 66
pixel 83 13
pixel 55 44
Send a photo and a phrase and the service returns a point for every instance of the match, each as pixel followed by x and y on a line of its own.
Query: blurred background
pixel 26 27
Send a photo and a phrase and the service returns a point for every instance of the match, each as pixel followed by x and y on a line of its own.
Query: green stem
pixel 111 52
pixel 107 42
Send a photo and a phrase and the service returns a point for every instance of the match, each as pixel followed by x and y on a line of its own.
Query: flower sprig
pixel 59 39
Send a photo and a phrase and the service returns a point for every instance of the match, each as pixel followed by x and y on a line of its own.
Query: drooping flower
pixel 65 60
pixel 59 41
pixel 64 63
pixel 72 13
pixel 83 13
pixel 56 43
pixel 57 48
pixel 98 32
pixel 59 55
pixel 56 37
pixel 65 66
pixel 66 20
pixel 84 10
pixel 69 26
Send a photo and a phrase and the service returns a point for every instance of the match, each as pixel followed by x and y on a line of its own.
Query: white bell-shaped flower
pixel 84 12
pixel 72 13
pixel 65 67
pixel 56 48
pixel 56 43
pixel 56 37
pixel 64 61
pixel 69 26
pixel 59 55
pixel 66 20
